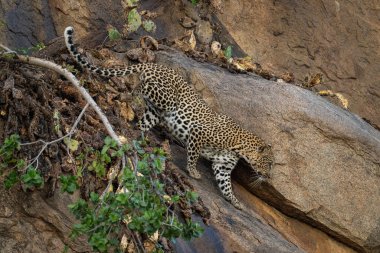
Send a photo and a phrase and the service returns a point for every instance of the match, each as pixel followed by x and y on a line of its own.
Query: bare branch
pixel 46 144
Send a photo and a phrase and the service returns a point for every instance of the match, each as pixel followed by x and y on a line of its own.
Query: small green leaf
pixel 32 179
pixel 114 34
pixel 69 183
pixel 191 230
pixel 108 141
pixel 20 164
pixel 194 2
pixel 39 46
pixel 134 20
pixel 94 197
pixel 71 144
pixel 191 196
pixel 114 217
pixel 99 241
pixel 175 198
pixel 149 26
pixel 122 198
pixel 228 52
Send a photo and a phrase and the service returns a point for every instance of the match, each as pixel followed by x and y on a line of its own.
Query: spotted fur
pixel 173 102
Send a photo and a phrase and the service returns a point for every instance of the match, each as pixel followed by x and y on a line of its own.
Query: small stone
pixel 216 48
pixel 6 212
pixel 17 94
pixel 204 32
pixel 187 22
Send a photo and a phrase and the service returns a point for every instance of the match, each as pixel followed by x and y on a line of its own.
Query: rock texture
pixel 33 223
pixel 250 230
pixel 327 170
pixel 25 24
pixel 340 39
pixel 230 230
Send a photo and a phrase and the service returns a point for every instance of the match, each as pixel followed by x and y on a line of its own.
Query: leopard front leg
pixel 222 172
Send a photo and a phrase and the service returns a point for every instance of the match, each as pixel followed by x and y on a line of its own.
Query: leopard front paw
pixel 236 203
pixel 195 174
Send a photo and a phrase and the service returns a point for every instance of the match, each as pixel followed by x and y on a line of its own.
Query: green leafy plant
pixel 69 183
pixel 11 179
pixel 71 144
pixel 11 165
pixel 135 20
pixel 141 203
pixel 102 158
pixel 39 46
pixel 7 151
pixel 32 179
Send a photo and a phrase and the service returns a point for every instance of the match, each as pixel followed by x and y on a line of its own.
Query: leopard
pixel 171 101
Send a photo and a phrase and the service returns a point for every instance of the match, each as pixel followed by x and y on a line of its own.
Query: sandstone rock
pixel 24 24
pixel 340 39
pixel 250 230
pixel 187 22
pixel 327 170
pixel 230 230
pixel 32 223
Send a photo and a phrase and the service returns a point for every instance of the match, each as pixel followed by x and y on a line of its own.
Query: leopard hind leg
pixel 149 119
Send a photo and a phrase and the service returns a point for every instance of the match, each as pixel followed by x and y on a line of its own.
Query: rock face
pixel 257 228
pixel 230 230
pixel 327 170
pixel 25 24
pixel 340 39
pixel 34 223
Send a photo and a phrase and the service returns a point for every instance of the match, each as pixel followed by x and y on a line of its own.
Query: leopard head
pixel 264 160
pixel 260 157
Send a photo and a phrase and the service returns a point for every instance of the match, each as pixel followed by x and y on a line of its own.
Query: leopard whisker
pixel 256 182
